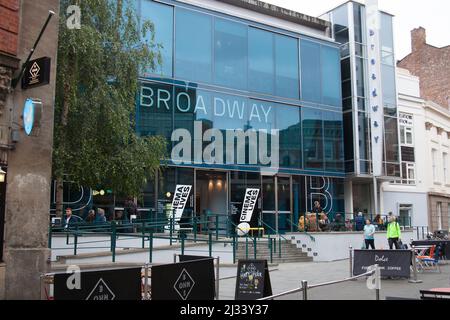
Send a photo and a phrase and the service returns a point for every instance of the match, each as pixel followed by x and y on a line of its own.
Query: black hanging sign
pixel 116 284
pixel 253 280
pixel 192 279
pixel 37 73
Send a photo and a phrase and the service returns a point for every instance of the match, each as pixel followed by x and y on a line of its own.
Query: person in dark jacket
pixel 359 222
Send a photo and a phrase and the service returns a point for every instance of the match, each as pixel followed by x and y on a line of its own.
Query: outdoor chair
pixel 431 260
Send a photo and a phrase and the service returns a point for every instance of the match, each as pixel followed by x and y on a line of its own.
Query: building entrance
pixel 211 199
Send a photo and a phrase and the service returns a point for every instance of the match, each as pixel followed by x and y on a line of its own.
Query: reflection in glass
pixel 312 138
pixel 260 61
pixel 286 67
pixel 331 76
pixel 230 53
pixel 193 56
pixel 162 17
pixel 333 141
pixel 310 62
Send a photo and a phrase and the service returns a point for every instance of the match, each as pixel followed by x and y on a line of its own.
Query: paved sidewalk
pixel 289 276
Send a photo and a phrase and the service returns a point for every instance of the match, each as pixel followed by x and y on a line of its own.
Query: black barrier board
pixel 184 258
pixel 117 284
pixel 392 263
pixel 188 280
pixel 445 246
pixel 253 280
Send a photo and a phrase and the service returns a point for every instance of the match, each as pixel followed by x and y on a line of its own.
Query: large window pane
pixel 260 61
pixel 286 67
pixel 162 18
pixel 331 76
pixel 387 42
pixel 288 122
pixel 230 52
pixel 193 47
pixel 391 139
pixel 333 141
pixel 348 136
pixel 388 86
pixel 310 60
pixel 312 138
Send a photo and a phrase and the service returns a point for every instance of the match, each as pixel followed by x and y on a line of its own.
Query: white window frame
pixel 406 124
pixel 445 167
pixel 434 165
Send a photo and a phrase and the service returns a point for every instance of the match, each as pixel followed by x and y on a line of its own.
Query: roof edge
pixel 282 13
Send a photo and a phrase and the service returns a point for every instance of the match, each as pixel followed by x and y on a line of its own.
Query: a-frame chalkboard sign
pixel 253 280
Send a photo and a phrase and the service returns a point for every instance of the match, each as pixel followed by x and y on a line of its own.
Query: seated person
pixel 323 222
pixel 302 224
pixel 312 225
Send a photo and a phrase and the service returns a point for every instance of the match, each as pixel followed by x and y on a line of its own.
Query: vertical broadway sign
pixel 375 94
pixel 179 200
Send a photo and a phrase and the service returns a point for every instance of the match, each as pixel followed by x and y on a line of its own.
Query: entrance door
pixel 211 199
pixel 276 203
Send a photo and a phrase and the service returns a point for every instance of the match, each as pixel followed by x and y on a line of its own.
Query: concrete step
pixel 279 260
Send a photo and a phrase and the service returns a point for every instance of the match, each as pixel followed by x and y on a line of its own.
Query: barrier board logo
pixel 184 284
pixel 101 292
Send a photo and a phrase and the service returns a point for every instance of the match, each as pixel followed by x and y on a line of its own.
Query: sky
pixel 433 15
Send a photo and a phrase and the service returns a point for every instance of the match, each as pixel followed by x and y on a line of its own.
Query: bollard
pixel 350 249
pixel 175 258
pixel 217 277
pixel 305 289
pixel 414 266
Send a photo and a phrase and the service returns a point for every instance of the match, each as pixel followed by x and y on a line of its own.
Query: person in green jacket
pixel 393 233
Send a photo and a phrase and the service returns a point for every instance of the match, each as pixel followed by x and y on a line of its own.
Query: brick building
pixel 431 65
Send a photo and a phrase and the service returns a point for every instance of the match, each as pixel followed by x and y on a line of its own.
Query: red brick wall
pixel 432 66
pixel 9 26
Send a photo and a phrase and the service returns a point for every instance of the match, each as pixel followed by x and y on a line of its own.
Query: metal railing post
pixel 143 235
pixel 254 248
pixel 378 282
pixel 217 227
pixel 113 244
pixel 275 245
pixel 279 248
pixel 67 236
pixel 170 229
pixel 150 247
pixel 182 242
pixel 234 249
pixel 146 281
pixel 271 251
pixel 414 266
pixel 50 235
pixel 217 277
pixel 305 289
pixel 210 243
pixel 246 247
pixel 350 250
pixel 195 229
pixel 75 241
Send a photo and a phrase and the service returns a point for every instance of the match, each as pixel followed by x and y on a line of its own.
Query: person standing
pixel 69 221
pixel 393 233
pixel 359 222
pixel 369 232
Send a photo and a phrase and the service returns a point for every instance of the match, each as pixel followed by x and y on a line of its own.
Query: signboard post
pixel 392 263
pixel 119 284
pixel 253 280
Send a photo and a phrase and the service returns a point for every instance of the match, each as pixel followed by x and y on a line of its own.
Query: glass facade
pixel 222 75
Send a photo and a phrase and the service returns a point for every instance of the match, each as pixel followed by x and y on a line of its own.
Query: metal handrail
pixel 277 233
pixel 317 285
pixel 304 232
